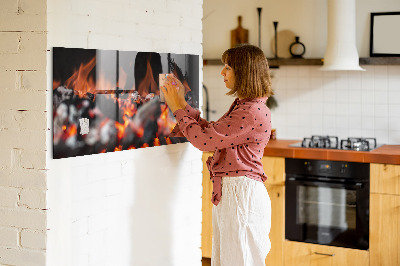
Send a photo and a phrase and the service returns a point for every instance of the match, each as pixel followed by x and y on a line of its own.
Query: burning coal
pixel 117 116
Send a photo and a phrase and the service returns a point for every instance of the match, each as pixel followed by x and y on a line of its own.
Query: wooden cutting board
pixel 239 35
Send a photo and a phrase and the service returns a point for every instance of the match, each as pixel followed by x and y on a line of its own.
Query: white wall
pixel 344 103
pixel 22 132
pixel 311 102
pixel 305 18
pixel 138 207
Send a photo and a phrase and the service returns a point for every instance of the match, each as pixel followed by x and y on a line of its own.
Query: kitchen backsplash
pixel 314 102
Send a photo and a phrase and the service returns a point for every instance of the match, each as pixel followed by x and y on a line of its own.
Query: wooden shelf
pixel 380 61
pixel 273 63
pixel 212 62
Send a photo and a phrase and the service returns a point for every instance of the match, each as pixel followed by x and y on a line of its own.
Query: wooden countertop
pixel 389 154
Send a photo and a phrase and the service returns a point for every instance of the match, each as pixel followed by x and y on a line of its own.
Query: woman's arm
pixel 237 128
pixel 193 113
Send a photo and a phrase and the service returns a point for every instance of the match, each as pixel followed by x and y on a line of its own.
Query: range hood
pixel 341 51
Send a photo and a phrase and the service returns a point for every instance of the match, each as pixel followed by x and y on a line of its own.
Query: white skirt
pixel 241 223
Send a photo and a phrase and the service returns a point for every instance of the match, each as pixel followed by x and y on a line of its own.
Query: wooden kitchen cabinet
pixel 277 233
pixel 384 236
pixel 274 168
pixel 385 178
pixel 306 254
pixel 206 226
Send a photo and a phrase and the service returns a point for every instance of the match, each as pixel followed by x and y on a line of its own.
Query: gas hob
pixel 332 142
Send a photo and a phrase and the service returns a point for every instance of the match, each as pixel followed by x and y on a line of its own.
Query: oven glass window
pixel 324 206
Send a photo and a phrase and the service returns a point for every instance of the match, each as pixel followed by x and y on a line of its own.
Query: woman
pixel 242 207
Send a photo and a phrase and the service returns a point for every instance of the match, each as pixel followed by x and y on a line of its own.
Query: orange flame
pixel 122 78
pixel 80 80
pixel 148 84
pixel 70 131
pixel 140 132
pixel 103 84
pixel 165 122
pixel 119 148
pixel 121 128
pixel 145 145
pixel 56 84
pixel 156 142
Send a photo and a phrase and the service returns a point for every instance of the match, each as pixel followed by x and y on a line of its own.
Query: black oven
pixel 327 202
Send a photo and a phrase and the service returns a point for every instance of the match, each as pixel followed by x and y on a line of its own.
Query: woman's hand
pixel 174 93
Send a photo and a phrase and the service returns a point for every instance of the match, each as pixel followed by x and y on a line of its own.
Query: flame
pixel 156 142
pixel 103 84
pixel 69 131
pixel 168 140
pixel 122 78
pixel 121 128
pixel 165 122
pixel 128 107
pixel 80 80
pixel 148 84
pixel 56 84
pixel 119 148
pixel 72 130
pixel 131 147
pixel 145 145
pixel 140 132
pixel 64 127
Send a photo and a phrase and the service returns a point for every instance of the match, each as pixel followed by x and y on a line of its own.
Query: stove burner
pixel 332 142
pixel 358 144
pixel 328 142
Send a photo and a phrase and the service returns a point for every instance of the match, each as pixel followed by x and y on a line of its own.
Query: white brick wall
pixel 33 239
pixel 9 237
pixel 139 207
pixel 22 132
pixel 101 206
pixel 8 197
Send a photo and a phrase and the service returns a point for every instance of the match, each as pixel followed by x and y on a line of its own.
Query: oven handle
pixel 357 185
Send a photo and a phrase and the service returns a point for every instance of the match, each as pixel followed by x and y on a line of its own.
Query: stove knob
pixel 343 168
pixel 308 166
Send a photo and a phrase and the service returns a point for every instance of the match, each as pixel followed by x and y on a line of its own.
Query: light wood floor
pixel 206 261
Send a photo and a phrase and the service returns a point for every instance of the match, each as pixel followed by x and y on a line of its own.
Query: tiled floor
pixel 206 261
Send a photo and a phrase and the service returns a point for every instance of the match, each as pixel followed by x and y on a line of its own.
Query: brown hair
pixel 250 66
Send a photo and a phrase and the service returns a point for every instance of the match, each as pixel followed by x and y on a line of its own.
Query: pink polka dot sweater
pixel 238 139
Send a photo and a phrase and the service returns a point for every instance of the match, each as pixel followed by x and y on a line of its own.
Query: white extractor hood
pixel 341 51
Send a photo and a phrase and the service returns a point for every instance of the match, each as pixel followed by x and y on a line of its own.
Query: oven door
pixel 327 213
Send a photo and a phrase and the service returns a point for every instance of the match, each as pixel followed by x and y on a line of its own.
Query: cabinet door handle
pixel 325 254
